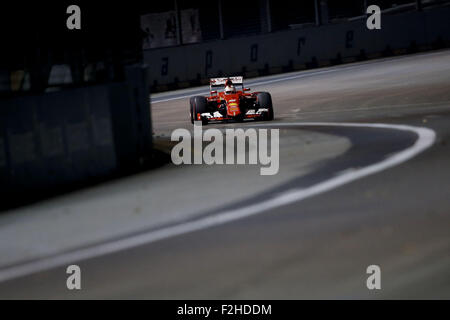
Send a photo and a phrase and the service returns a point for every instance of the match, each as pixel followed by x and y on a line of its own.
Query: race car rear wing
pixel 220 82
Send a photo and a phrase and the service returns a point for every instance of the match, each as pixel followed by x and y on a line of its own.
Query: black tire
pixel 264 100
pixel 191 111
pixel 198 104
pixel 239 118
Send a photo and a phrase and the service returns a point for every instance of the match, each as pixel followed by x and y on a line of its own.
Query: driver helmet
pixel 229 88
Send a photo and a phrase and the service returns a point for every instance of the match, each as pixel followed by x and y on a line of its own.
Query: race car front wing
pixel 217 116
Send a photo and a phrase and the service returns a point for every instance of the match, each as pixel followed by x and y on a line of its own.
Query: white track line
pixel 425 138
pixel 298 75
pixel 258 83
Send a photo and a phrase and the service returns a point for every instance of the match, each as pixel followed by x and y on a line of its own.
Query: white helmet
pixel 230 89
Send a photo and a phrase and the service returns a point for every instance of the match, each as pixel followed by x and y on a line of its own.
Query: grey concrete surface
pixel 320 247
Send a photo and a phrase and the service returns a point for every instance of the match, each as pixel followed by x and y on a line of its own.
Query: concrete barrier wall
pixel 73 136
pixel 295 49
pixel 56 138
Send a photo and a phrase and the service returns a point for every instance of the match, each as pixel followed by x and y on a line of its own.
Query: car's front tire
pixel 198 104
pixel 264 100
pixel 191 110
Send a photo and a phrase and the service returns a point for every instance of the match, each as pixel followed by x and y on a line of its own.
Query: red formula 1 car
pixel 231 104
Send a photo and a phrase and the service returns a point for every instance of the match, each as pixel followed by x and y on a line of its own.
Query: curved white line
pixel 426 138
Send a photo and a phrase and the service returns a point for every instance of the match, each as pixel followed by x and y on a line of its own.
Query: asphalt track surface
pixel 382 197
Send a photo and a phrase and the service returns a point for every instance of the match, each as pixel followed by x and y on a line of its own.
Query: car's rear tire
pixel 264 100
pixel 198 104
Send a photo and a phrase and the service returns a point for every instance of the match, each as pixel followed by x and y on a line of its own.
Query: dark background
pixel 34 35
